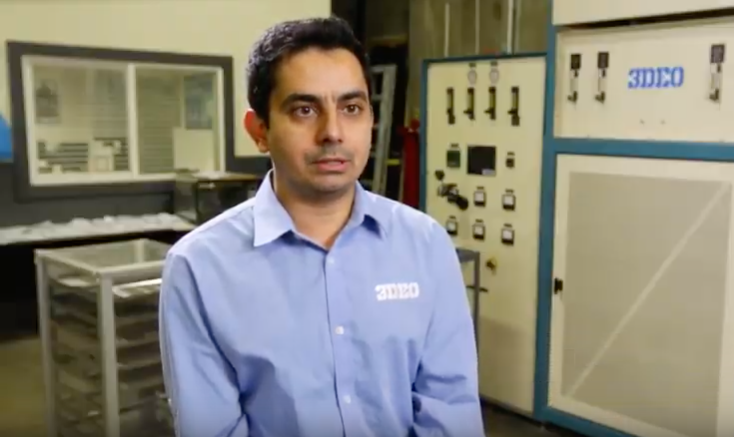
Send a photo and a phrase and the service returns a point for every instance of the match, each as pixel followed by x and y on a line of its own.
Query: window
pixel 94 121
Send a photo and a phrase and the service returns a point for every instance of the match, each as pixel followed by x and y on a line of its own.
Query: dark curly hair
pixel 287 39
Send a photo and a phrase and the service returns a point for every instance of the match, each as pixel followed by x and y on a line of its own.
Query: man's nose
pixel 330 131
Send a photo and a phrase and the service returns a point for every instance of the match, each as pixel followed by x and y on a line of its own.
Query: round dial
pixel 494 75
pixel 472 76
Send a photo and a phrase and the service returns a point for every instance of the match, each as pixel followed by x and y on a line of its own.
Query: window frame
pixel 18 52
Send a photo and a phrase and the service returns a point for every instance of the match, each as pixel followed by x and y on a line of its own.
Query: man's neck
pixel 319 220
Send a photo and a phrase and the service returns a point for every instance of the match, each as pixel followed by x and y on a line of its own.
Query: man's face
pixel 320 128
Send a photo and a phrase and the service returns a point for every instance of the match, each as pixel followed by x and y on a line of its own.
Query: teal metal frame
pixel 552 148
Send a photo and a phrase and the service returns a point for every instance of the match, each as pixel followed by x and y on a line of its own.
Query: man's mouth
pixel 331 161
pixel 332 164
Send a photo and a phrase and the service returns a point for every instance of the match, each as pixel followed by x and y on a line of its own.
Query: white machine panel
pixel 484 137
pixel 586 11
pixel 657 82
pixel 642 320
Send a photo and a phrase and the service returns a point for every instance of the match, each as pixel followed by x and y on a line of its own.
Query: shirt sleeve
pixel 446 389
pixel 200 383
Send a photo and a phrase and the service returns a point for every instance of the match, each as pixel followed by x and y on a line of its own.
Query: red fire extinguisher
pixel 411 164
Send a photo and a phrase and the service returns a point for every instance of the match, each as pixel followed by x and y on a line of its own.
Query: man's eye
pixel 303 111
pixel 353 109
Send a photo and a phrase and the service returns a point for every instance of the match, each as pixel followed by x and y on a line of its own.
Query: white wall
pixel 220 27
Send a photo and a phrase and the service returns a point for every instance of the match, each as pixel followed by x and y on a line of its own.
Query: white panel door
pixel 642 332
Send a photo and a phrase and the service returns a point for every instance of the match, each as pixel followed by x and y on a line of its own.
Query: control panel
pixel 626 83
pixel 566 12
pixel 484 136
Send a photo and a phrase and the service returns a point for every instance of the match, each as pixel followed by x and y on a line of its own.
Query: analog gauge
pixel 472 76
pixel 494 76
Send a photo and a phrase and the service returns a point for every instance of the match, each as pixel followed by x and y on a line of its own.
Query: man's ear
pixel 255 126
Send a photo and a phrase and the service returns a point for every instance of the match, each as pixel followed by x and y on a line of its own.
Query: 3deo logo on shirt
pixel 397 291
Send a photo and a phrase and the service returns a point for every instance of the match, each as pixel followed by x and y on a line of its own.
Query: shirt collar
pixel 272 220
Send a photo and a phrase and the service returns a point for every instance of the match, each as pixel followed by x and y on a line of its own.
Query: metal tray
pixel 89 360
pixel 88 288
pixel 134 387
pixel 142 422
pixel 71 324
pixel 137 311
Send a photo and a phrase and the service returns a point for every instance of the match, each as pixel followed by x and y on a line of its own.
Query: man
pixel 317 309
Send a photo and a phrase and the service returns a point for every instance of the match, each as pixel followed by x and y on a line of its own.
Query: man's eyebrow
pixel 299 97
pixel 311 98
pixel 353 95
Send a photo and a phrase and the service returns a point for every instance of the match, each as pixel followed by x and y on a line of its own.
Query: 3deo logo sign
pixel 660 77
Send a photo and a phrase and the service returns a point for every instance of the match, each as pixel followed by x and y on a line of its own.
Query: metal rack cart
pixel 98 313
pixel 472 256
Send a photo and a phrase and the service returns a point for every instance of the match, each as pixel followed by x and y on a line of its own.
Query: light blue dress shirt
pixel 266 334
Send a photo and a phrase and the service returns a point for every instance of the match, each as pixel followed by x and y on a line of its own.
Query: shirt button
pixel 339 330
pixel 347 399
pixel 330 260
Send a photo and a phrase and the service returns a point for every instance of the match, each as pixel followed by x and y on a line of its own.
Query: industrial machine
pixel 98 312
pixel 483 149
pixel 640 307
pixel 569 12
pixel 199 197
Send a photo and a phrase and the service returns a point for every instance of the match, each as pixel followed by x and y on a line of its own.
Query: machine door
pixel 642 332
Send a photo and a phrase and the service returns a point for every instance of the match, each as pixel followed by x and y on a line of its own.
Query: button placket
pixel 339 314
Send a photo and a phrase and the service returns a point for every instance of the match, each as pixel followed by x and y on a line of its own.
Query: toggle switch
pixel 451 116
pixel 453 156
pixel 508 235
pixel 469 111
pixel 480 197
pixel 491 264
pixel 492 109
pixel 717 60
pixel 478 230
pixel 601 84
pixel 510 160
pixel 508 201
pixel 452 226
pixel 573 96
pixel 451 192
pixel 515 109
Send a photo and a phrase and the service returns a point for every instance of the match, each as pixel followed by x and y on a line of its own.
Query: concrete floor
pixel 22 408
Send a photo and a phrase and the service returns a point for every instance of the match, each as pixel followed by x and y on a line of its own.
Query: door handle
pixel 557 285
